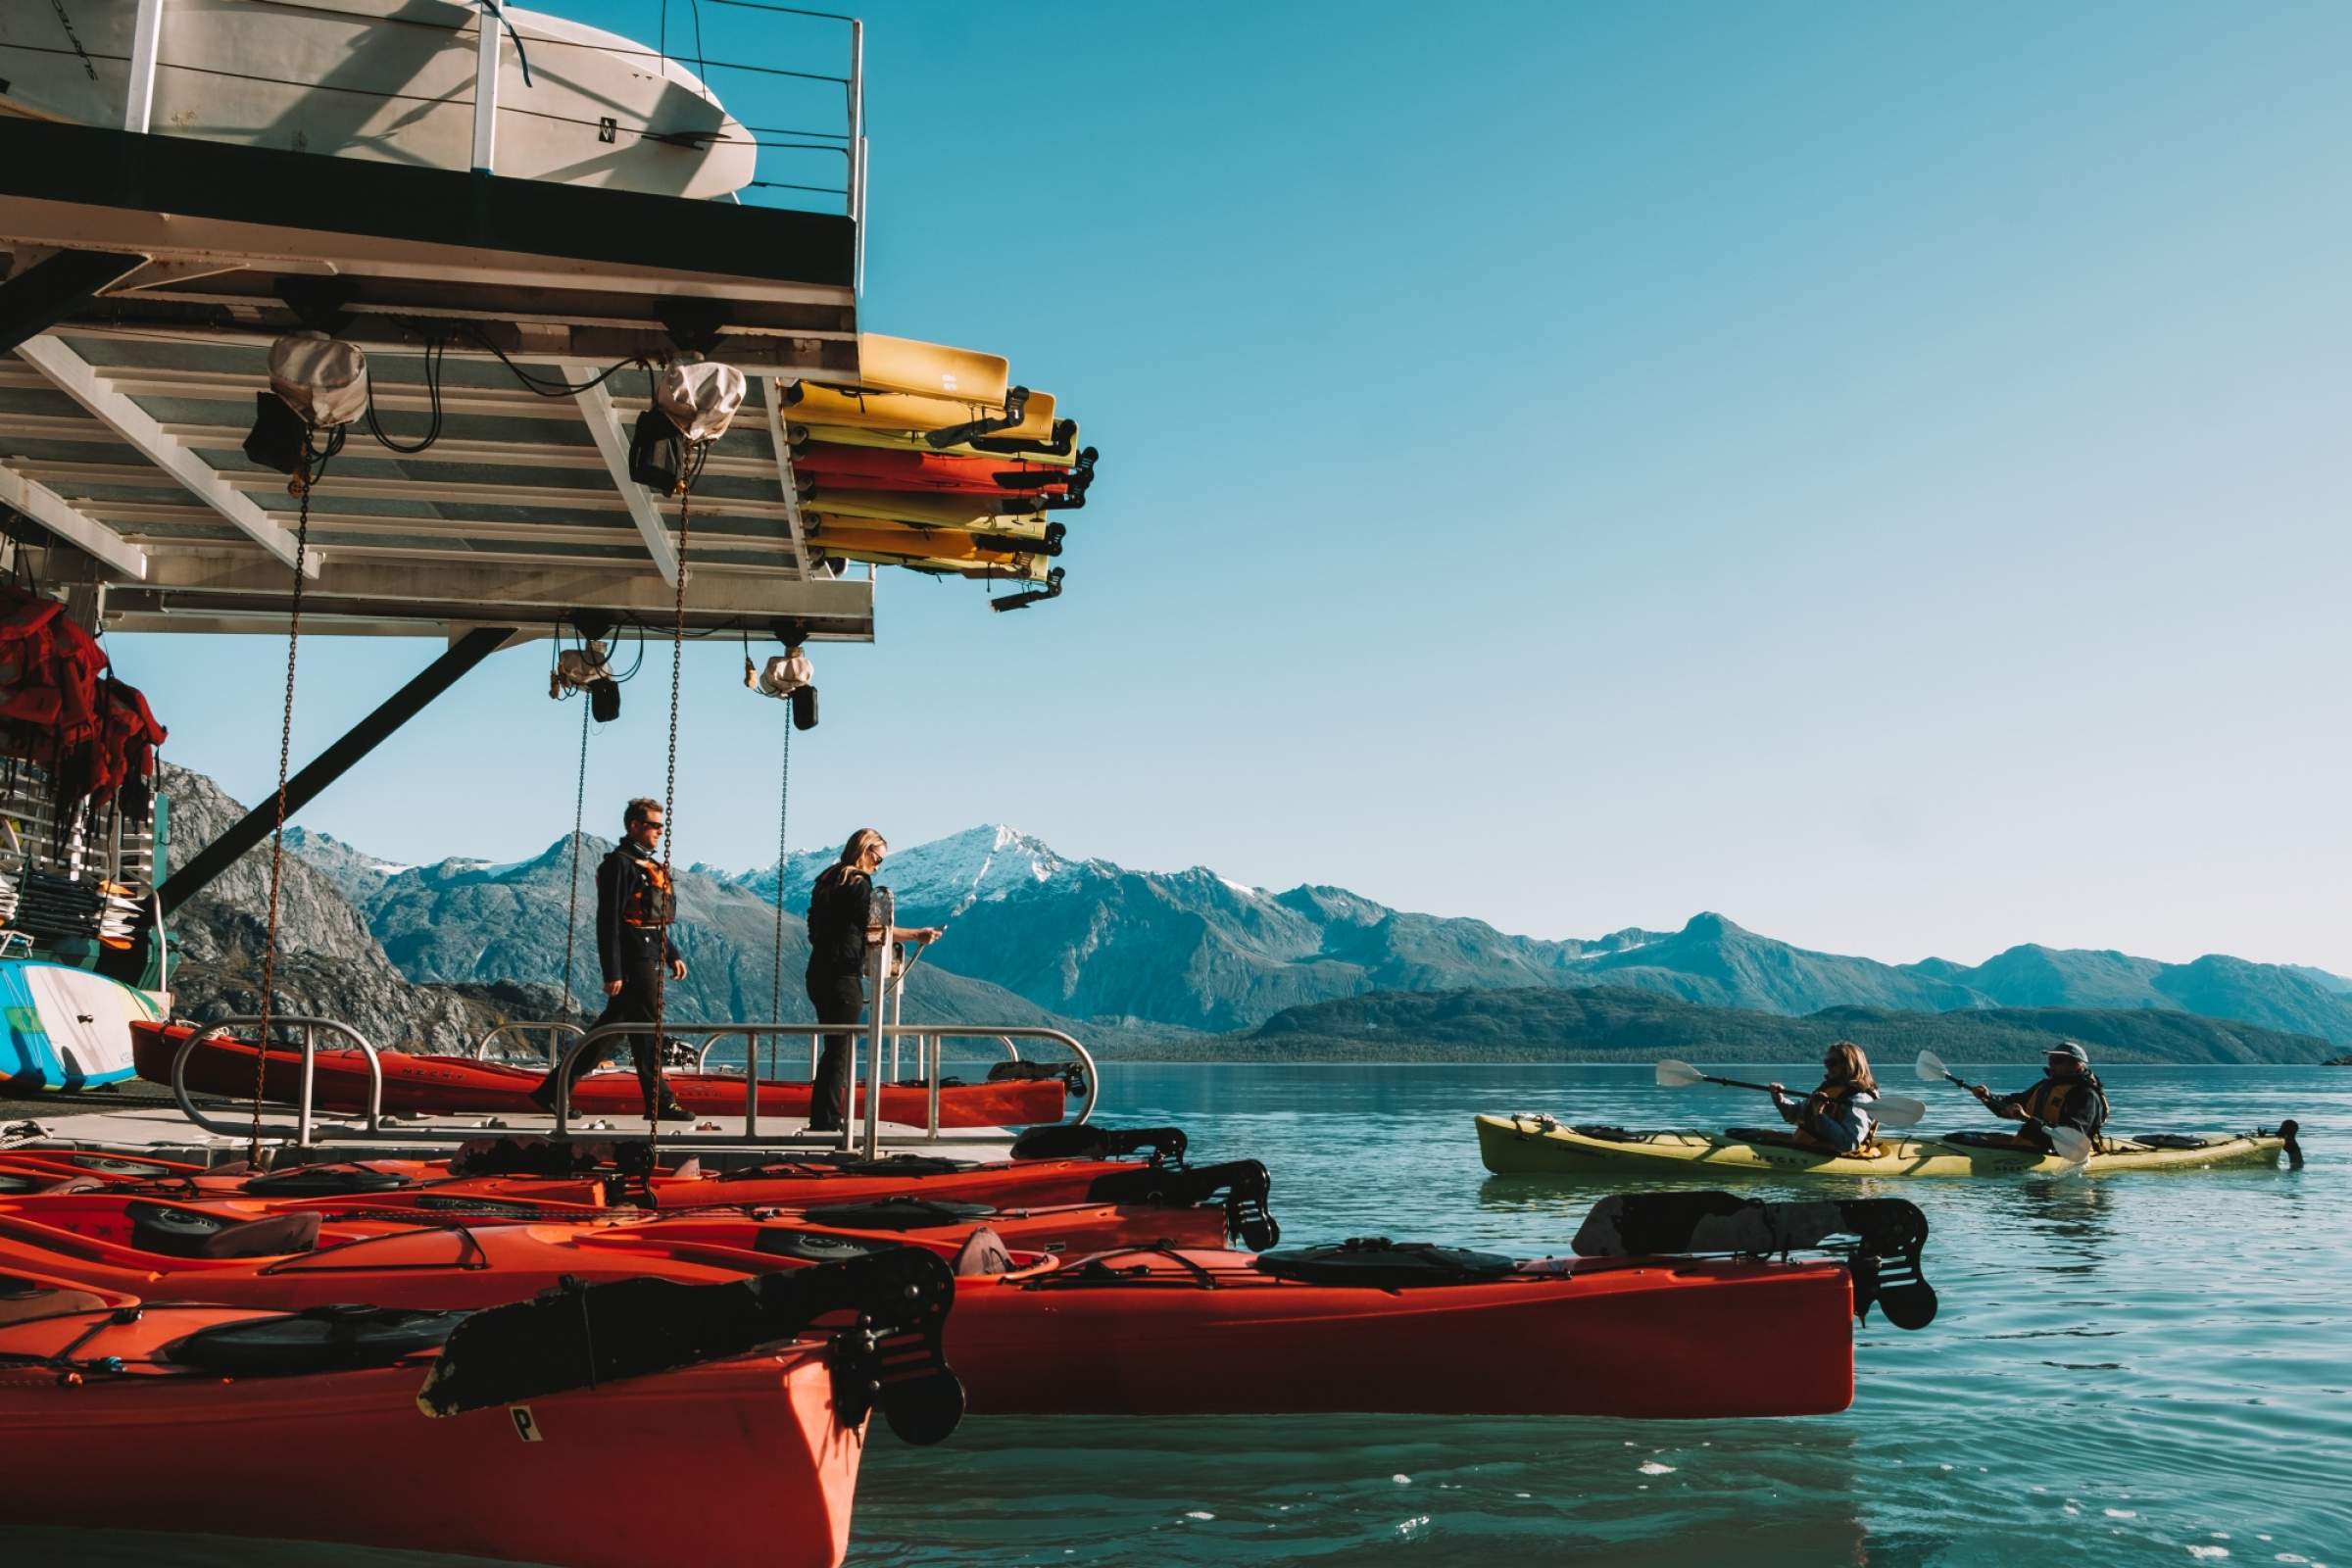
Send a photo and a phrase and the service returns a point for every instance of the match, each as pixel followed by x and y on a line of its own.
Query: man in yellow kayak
pixel 2069 1095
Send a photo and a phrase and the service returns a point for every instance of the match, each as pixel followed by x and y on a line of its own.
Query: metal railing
pixel 304 1122
pixel 524 1029
pixel 887 972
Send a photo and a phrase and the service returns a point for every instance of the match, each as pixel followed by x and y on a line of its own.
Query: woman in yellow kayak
pixel 2068 1096
pixel 1835 1116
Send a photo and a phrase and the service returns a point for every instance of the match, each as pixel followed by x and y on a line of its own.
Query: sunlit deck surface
pixel 143 1116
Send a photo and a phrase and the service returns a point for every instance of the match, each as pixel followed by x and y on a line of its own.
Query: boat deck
pixel 143 1116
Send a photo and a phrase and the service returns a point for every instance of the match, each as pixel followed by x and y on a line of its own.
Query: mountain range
pixel 1035 936
pixel 1611 1023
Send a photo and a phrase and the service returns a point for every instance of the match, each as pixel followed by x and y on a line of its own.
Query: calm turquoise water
pixel 2128 1369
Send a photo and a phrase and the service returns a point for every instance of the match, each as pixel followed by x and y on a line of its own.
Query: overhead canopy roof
pixel 148 275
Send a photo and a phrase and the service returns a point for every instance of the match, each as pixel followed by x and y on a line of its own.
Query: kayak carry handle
pixel 1065 431
pixel 579 1336
pixel 1073 481
pixel 1243 1184
pixel 1890 1233
pixel 1032 596
pixel 1016 409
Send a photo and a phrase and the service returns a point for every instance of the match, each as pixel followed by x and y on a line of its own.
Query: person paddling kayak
pixel 838 907
pixel 1835 1116
pixel 2068 1096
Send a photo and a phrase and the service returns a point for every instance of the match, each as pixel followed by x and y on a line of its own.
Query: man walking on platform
pixel 634 908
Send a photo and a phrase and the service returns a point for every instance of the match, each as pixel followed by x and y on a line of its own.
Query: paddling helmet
pixel 2071 1050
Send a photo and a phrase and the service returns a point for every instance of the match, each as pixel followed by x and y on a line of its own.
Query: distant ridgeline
pixel 1608 1023
pixel 1191 965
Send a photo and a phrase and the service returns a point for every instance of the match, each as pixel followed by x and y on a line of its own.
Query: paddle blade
pixel 1930 1068
pixel 2068 1145
pixel 1899 1110
pixel 1674 1074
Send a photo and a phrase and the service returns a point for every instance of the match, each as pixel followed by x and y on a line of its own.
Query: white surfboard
pixel 391 80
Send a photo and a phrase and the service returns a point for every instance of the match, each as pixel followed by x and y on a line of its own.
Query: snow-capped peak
pixel 941 878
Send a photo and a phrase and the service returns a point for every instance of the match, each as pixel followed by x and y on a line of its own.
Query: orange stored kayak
pixel 321 1426
pixel 459 1084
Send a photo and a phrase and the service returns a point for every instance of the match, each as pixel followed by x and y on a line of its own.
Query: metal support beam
pixel 60 517
pixel 485 89
pixel 604 424
pixel 74 376
pixel 146 42
pixel 54 287
pixel 333 763
pixel 217 583
pixel 771 393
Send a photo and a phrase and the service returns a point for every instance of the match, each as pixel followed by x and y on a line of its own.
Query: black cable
pixel 435 349
pixel 547 389
pixel 787 11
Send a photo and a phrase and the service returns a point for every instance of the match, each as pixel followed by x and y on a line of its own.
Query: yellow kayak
pixel 930 370
pixel 1060 449
pixel 1537 1145
pixel 907 412
pixel 943 559
pixel 919 510
pixel 864 536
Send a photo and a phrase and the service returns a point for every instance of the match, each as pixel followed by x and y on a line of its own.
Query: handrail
pixel 523 1026
pixel 310 1062
pixel 750 1031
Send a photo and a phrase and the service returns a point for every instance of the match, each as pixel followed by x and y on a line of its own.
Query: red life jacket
pixel 61 706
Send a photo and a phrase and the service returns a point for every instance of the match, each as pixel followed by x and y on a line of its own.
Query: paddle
pixel 1891 1110
pixel 2066 1143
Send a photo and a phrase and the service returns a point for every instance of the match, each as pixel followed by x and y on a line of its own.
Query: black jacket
pixel 839 907
pixel 632 911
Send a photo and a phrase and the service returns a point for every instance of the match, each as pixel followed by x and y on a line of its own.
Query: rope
pixel 669 833
pixel 775 1006
pixel 579 807
pixel 313 465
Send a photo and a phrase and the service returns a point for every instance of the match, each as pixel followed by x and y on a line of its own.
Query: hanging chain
pixel 775 1006
pixel 579 807
pixel 277 835
pixel 669 840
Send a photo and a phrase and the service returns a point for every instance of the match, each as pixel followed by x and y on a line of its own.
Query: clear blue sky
pixel 1879 472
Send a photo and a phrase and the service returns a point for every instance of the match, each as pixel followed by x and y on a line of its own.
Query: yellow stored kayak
pixel 1025 535
pixel 1539 1146
pixel 907 412
pixel 930 370
pixel 864 536
pixel 919 510
pixel 1060 449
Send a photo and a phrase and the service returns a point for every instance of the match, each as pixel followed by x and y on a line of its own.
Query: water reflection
pixel 1264 1490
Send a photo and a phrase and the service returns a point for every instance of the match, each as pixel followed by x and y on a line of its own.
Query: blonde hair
pixel 1846 1065
pixel 860 842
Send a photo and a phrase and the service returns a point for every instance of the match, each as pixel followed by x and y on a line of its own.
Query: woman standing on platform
pixel 839 907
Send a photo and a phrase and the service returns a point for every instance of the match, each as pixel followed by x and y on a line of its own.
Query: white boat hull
pixel 391 80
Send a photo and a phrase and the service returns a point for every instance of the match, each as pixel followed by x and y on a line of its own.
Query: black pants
pixel 641 982
pixel 839 998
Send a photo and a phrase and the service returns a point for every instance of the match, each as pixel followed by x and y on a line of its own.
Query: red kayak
pixel 1365 1326
pixel 839 465
pixel 153 1224
pixel 321 1426
pixel 461 1085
